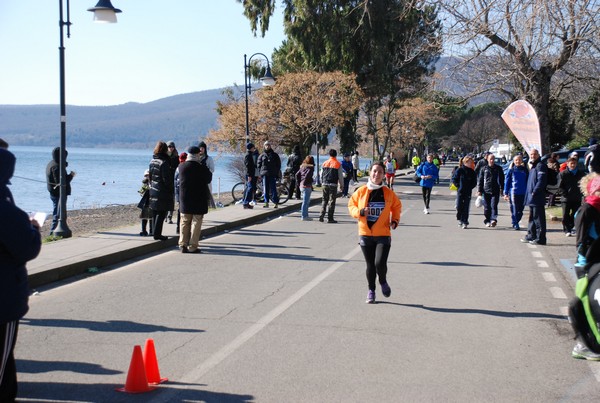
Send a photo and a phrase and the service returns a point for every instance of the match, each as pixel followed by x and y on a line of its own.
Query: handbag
pixel 453 187
pixel 478 201
pixel 417 178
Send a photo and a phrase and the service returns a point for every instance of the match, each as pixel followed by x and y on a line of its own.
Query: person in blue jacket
pixel 515 188
pixel 20 241
pixel 535 198
pixel 429 174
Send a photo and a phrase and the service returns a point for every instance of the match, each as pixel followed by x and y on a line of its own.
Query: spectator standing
pixel 53 183
pixel 304 178
pixel 355 166
pixel 207 160
pixel 416 161
pixel 535 200
pixel 144 204
pixel 592 156
pixel 194 178
pixel 347 169
pixel 428 173
pixel 20 242
pixel 162 197
pixel 377 209
pixel 182 158
pixel 250 160
pixel 568 183
pixel 515 188
pixel 465 180
pixel 293 165
pixel 331 178
pixel 552 178
pixel 173 163
pixel 490 185
pixel 269 166
pixel 563 166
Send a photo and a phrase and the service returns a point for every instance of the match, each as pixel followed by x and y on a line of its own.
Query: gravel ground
pixel 87 221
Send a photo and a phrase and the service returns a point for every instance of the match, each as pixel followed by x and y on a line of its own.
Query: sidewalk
pixel 79 255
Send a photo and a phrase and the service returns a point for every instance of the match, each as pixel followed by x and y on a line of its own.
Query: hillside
pixel 179 118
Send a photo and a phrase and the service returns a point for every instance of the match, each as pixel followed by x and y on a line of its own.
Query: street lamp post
pixel 267 80
pixel 103 12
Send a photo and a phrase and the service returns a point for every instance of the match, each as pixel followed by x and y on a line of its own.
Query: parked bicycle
pixel 283 191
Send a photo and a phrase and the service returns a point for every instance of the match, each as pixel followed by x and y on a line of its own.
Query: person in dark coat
pixel 515 187
pixel 269 167
pixel 535 198
pixel 53 183
pixel 490 183
pixel 465 181
pixel 20 242
pixel 194 178
pixel 250 160
pixel 293 166
pixel 174 163
pixel 162 196
pixel 568 183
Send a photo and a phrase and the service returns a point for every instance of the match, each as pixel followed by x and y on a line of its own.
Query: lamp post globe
pixel 267 80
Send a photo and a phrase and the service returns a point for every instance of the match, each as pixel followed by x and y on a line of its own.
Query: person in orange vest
pixel 331 177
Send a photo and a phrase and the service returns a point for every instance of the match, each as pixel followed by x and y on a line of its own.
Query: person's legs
pixel 196 232
pixel 368 251
pixel 272 189
pixel 382 251
pixel 185 231
pixel 346 186
pixel 266 189
pixel 305 201
pixel 159 218
pixel 249 190
pixel 540 223
pixel 8 369
pixel 326 196
pixel 487 207
pixel 332 199
pixel 519 203
pixel 494 199
pixel 427 197
pixel 424 192
pixel 55 200
pixel 565 219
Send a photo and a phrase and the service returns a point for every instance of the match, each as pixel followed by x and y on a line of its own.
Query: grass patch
pixel 554 212
pixel 51 238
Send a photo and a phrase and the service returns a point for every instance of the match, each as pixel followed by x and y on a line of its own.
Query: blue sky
pixel 157 49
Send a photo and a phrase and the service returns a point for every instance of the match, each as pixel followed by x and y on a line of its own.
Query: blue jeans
pixel 517 203
pixel 305 201
pixel 270 189
pixel 55 200
pixel 250 190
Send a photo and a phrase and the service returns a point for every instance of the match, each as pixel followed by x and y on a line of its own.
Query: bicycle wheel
pixel 283 192
pixel 237 192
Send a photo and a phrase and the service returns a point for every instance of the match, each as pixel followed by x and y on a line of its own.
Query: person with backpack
pixel 571 195
pixel 515 188
pixel 490 184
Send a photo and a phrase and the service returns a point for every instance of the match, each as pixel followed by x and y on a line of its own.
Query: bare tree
pixel 524 49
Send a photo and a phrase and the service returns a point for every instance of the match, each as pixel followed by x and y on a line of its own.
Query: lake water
pixel 104 176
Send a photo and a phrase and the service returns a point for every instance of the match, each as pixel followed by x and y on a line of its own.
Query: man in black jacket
pixel 53 183
pixel 490 185
pixel 250 161
pixel 269 168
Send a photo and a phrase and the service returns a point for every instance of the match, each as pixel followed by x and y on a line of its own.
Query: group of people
pixel 185 178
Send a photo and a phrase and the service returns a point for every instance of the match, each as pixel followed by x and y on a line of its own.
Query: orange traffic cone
pixel 136 377
pixel 151 364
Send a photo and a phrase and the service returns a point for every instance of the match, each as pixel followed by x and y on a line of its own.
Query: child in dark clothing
pixel 144 204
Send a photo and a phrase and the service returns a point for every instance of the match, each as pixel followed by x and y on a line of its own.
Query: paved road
pixel 275 312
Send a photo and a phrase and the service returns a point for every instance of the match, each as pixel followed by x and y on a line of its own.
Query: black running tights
pixel 376 256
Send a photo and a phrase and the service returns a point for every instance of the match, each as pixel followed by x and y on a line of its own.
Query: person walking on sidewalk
pixel 464 179
pixel 250 160
pixel 331 178
pixel 490 185
pixel 535 198
pixel 347 169
pixel 568 183
pixel 194 178
pixel 377 209
pixel 428 173
pixel 20 242
pixel 515 187
pixel 162 193
pixel 304 178
pixel 269 166
pixel 355 166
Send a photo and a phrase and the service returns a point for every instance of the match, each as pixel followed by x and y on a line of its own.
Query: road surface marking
pixel 557 293
pixel 537 254
pixel 542 263
pixel 549 277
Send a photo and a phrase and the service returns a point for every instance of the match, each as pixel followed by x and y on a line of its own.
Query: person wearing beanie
pixel 269 167
pixel 53 184
pixel 144 205
pixel 207 160
pixel 182 159
pixel 250 161
pixel 20 242
pixel 194 177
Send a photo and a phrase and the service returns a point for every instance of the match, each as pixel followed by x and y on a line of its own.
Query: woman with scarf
pixel 162 189
pixel 465 180
pixel 377 209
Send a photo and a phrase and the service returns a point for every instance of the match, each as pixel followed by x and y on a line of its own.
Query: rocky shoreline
pixel 88 221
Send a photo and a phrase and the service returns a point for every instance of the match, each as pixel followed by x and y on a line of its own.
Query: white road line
pixel 549 277
pixel 196 374
pixel 537 254
pixel 557 293
pixel 530 246
pixel 542 263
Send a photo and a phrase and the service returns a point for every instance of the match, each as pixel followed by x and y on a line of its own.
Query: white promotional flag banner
pixel 521 119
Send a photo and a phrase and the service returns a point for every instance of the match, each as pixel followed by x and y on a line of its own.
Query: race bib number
pixel 374 210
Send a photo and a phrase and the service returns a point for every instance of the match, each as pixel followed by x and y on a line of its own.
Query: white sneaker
pixel 425 211
pixel 582 352
pixel 567 234
pixel 465 226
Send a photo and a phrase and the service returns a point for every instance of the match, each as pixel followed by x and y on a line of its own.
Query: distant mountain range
pixel 181 118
